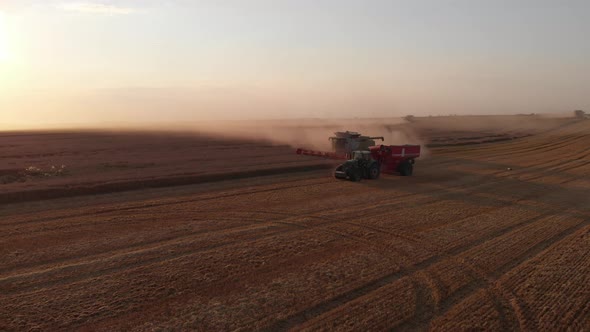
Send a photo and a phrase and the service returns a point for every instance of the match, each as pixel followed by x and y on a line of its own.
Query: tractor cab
pixel 360 166
pixel 361 155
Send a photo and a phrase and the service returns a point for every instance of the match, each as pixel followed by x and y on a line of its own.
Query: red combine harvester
pixel 369 163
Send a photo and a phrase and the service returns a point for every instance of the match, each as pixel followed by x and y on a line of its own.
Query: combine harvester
pixel 364 159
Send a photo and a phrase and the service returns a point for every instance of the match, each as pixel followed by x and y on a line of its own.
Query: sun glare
pixel 3 38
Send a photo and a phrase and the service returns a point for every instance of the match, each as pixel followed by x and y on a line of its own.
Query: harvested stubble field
pixel 114 243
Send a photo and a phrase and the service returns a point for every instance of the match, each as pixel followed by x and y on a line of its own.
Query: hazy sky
pixel 127 61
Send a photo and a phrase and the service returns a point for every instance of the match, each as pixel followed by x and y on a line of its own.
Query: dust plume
pixel 425 131
pixel 314 133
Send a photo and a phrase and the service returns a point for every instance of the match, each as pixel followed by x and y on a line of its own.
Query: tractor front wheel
pixel 406 169
pixel 374 172
pixel 355 175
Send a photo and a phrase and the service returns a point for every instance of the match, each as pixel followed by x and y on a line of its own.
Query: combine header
pixel 364 160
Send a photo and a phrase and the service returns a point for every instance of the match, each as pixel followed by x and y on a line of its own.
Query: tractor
pixel 370 160
pixel 361 166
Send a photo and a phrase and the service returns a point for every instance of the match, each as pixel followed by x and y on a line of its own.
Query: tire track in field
pixel 122 251
pixel 160 204
pixel 559 163
pixel 479 280
pixel 534 143
pixel 293 225
pixel 527 150
pixel 488 282
pixel 226 195
pixel 230 187
pixel 547 138
pixel 358 239
pixel 135 250
pixel 401 235
pixel 424 317
pixel 505 296
pixel 572 271
pixel 502 298
pixel 526 318
pixel 323 307
pixel 175 240
pixel 522 173
pixel 424 293
pixel 80 262
pixel 130 185
pixel 480 277
pixel 199 199
pixel 118 251
pixel 188 237
pixel 564 165
pixel 35 285
pixel 312 214
pixel 547 164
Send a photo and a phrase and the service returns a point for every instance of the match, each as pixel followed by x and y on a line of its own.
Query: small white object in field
pixel 509 168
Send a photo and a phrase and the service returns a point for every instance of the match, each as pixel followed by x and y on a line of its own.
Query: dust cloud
pixel 313 133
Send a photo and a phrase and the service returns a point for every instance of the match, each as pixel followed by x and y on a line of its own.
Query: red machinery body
pixel 389 156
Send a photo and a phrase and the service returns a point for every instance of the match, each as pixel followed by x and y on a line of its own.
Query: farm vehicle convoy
pixel 366 160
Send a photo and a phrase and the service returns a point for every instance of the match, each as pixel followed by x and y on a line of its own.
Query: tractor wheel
pixel 374 172
pixel 339 173
pixel 355 175
pixel 406 169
